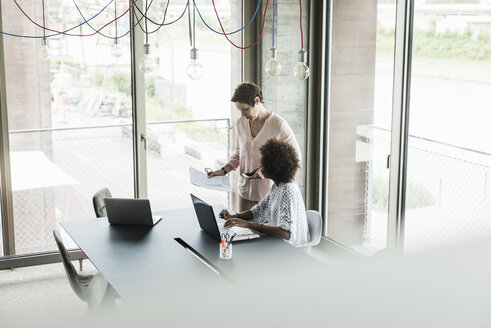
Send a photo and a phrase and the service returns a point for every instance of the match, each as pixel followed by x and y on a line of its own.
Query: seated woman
pixel 282 212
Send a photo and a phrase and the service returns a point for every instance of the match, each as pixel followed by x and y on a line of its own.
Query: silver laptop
pixel 130 211
pixel 214 226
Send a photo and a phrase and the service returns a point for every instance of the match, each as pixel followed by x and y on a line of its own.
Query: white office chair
pixel 90 288
pixel 314 221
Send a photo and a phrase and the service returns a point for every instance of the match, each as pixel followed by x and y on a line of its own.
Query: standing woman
pixel 254 127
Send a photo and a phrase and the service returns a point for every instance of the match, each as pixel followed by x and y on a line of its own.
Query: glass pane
pixel 360 122
pixel 62 149
pixel 201 138
pixel 449 156
pixel 172 148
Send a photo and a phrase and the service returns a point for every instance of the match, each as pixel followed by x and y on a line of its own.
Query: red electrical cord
pixel 301 29
pixel 225 34
pixel 69 34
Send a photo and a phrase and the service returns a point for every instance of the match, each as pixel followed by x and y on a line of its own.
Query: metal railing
pixel 56 171
pixel 447 191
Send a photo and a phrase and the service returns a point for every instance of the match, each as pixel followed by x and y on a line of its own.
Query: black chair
pixel 98 201
pixel 92 289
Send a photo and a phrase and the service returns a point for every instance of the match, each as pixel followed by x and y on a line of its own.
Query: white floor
pixel 40 295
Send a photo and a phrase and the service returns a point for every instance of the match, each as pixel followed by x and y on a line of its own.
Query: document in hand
pixel 200 179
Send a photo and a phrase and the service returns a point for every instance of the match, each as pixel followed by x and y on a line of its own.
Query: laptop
pixel 214 226
pixel 130 211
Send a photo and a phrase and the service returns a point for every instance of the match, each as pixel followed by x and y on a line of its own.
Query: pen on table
pixel 231 238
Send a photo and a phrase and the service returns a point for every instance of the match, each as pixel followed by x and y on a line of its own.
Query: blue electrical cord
pixel 199 13
pixel 51 35
pixel 273 20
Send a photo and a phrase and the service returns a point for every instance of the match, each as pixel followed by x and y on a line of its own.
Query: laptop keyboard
pixel 224 230
pixel 234 230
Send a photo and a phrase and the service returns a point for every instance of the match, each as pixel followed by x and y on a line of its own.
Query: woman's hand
pixel 216 173
pixel 258 174
pixel 234 222
pixel 224 214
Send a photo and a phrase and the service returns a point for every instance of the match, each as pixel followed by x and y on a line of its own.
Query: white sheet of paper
pixel 200 179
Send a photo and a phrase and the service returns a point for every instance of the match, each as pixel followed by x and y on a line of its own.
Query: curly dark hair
pixel 246 93
pixel 279 160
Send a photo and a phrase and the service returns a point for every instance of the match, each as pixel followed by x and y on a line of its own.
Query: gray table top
pixel 142 260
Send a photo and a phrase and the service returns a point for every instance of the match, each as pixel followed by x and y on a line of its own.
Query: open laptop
pixel 208 222
pixel 130 211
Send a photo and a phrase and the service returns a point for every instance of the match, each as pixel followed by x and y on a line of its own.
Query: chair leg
pixel 80 264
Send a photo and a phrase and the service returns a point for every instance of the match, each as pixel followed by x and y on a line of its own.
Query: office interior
pixel 389 101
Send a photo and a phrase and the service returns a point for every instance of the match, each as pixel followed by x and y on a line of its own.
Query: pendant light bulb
pixel 146 63
pixel 273 67
pixel 195 70
pixel 116 50
pixel 44 50
pixel 301 70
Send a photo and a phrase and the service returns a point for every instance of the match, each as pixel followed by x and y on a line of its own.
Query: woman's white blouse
pixel 283 207
pixel 247 156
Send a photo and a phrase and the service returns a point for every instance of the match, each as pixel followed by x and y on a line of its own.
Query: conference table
pixel 175 261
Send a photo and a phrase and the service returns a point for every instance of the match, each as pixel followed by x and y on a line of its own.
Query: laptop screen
pixel 206 217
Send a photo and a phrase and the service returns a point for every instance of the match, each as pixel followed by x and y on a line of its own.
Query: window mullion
pixel 7 210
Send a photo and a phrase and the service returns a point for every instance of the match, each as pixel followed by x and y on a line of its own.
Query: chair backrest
pixel 314 221
pixel 98 201
pixel 69 268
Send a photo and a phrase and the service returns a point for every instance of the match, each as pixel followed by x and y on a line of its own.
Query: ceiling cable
pixel 146 22
pixel 56 34
pixel 242 28
pixel 44 22
pixel 115 15
pixel 301 29
pixel 225 35
pixel 135 24
pixel 69 34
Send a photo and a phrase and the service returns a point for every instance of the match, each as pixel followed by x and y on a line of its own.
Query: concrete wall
pixel 351 104
pixel 27 77
pixel 284 94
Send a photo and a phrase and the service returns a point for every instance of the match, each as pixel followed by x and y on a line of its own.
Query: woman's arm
pixel 286 134
pixel 246 215
pixel 270 230
pixel 233 162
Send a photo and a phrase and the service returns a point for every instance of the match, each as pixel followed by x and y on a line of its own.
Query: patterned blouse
pixel 283 207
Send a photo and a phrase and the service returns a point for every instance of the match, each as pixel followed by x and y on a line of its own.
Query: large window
pixel 61 147
pixel 444 47
pixel 449 154
pixel 70 115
